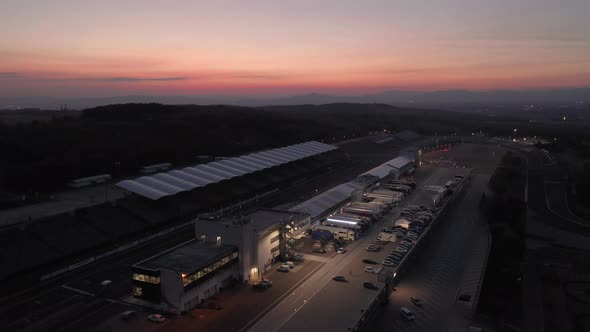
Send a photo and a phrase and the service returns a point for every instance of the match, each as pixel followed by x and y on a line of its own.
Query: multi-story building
pixel 186 275
pixel 262 237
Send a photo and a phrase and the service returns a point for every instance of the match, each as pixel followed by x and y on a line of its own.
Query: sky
pixel 89 48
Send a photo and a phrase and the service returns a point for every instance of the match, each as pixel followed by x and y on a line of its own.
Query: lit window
pixel 218 240
pixel 203 237
pixel 137 291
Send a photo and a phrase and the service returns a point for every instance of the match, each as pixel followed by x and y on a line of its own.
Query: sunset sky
pixel 251 47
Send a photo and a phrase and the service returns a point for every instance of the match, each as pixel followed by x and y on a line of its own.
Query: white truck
pixel 387 237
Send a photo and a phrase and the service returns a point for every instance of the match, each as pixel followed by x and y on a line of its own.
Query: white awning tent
pixel 386 168
pixel 170 183
pixel 326 201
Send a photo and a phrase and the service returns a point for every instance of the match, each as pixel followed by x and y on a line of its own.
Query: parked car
pixel 370 285
pixel 370 269
pixel 263 284
pixel 389 263
pixel 407 313
pixel 369 261
pixel 417 302
pixel 341 250
pixel 283 268
pixel 319 250
pixel 156 318
pixel 290 264
pixel 406 245
pixel 339 278
pixel 298 258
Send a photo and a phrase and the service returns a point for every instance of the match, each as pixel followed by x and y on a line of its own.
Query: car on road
pixel 128 314
pixel 105 283
pixel 417 302
pixel 370 285
pixel 341 250
pixel 369 261
pixel 407 313
pixel 370 269
pixel 319 250
pixel 263 284
pixel 156 318
pixel 372 247
pixel 283 268
pixel 213 305
pixel 339 278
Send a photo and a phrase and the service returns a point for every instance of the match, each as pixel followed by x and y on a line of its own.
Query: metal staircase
pixel 290 246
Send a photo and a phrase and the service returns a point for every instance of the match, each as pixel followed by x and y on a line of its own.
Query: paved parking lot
pixel 446 266
pixel 436 275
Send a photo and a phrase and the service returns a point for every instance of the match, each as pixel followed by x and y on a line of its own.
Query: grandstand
pixel 20 250
pixel 199 176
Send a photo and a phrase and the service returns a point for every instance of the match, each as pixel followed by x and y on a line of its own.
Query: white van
pixel 290 264
pixel 407 313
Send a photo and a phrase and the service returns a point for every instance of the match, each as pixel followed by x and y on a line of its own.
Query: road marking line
pixel 281 298
pixel 77 290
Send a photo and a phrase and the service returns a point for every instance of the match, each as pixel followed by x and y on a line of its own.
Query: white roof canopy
pixel 170 183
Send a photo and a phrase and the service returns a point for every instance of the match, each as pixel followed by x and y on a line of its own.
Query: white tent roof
pixel 385 169
pixel 175 181
pixel 327 200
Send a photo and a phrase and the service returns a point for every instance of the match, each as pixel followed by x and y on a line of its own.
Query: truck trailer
pixel 362 212
pixel 322 235
pixel 339 232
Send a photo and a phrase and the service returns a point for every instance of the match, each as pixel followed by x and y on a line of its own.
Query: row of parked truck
pixel 356 217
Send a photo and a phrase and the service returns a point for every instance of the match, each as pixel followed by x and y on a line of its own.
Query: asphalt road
pixel 545 195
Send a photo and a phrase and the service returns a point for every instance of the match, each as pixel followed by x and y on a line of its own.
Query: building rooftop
pixel 187 257
pixel 265 218
pixel 324 202
pixel 261 219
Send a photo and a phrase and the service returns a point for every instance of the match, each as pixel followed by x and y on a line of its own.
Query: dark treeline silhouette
pixel 41 156
pixel 505 210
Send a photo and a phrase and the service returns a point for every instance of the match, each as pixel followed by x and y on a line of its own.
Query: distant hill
pixel 445 98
